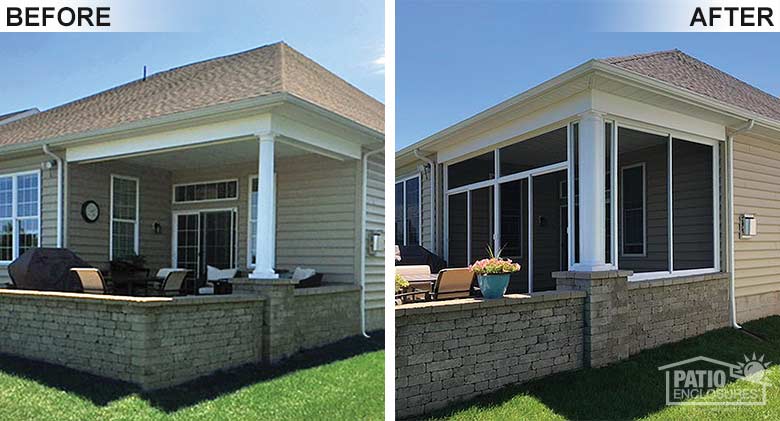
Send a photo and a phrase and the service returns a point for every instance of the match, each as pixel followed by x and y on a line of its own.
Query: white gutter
pixel 363 233
pixel 730 169
pixel 430 162
pixel 59 193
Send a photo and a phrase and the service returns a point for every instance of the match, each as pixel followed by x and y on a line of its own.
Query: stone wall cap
pixel 677 280
pixel 604 274
pixel 327 289
pixel 275 281
pixel 128 300
pixel 474 303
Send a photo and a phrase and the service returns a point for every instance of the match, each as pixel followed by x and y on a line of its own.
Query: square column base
pixel 263 274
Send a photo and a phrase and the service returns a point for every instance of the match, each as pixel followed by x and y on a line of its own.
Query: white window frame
pixel 496 182
pixel 403 180
pixel 671 134
pixel 234 252
pixel 136 230
pixel 249 263
pixel 623 253
pixel 195 183
pixel 14 212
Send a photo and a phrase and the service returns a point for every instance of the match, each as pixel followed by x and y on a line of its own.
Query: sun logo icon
pixel 752 369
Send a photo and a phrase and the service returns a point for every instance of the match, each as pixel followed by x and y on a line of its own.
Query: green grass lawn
pixel 634 388
pixel 340 382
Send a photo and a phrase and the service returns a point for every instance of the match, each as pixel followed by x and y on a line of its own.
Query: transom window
pixel 124 217
pixel 407 211
pixel 206 191
pixel 19 214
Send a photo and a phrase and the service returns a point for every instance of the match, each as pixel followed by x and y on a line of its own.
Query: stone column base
pixel 606 311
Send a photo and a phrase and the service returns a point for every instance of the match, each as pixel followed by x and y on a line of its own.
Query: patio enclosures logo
pixel 703 381
pixel 87 16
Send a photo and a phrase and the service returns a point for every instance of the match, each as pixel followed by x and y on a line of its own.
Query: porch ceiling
pixel 232 153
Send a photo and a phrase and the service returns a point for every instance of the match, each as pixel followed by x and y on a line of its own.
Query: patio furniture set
pixel 446 283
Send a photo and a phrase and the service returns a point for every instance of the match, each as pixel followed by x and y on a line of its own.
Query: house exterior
pixel 260 161
pixel 532 148
pixel 638 193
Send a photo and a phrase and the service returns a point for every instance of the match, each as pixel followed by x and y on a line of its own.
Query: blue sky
pixel 45 70
pixel 456 58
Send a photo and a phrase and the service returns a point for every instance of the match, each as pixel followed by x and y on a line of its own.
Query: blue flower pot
pixel 493 286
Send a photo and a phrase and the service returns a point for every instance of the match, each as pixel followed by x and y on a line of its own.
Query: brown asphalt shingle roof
pixel 267 70
pixel 684 71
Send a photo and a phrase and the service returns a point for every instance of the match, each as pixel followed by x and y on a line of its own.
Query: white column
pixel 592 175
pixel 265 244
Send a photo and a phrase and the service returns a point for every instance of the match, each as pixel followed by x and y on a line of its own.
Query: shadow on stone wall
pixel 101 391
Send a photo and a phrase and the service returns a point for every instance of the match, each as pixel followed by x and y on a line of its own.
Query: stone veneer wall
pixel 152 342
pixel 450 351
pixel 670 310
pixel 327 314
pixel 297 319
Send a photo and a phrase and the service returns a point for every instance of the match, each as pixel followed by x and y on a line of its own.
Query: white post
pixel 265 247
pixel 591 194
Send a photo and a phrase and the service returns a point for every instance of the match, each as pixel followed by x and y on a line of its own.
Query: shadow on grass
pixel 101 391
pixel 633 388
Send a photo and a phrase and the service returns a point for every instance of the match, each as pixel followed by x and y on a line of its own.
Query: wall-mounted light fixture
pixel 748 226
pixel 157 227
pixel 376 242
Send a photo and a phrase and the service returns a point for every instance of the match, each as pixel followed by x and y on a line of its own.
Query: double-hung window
pixel 124 217
pixel 19 214
pixel 407 211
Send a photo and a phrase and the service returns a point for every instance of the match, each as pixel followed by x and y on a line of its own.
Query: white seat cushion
pixel 206 291
pixel 302 273
pixel 214 274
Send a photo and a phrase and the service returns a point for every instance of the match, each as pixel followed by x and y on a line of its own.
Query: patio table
pixel 421 282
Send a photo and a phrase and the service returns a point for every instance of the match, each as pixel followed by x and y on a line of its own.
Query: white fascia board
pixel 171 139
pixel 622 107
pixel 559 112
pixel 315 138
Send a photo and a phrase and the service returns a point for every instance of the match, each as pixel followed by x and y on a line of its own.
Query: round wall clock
pixel 90 211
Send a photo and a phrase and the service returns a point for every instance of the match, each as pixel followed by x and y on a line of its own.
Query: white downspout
pixel 430 162
pixel 59 193
pixel 363 233
pixel 730 169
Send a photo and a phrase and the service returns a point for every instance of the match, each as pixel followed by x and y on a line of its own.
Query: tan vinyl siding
pixel 375 221
pixel 757 191
pixel 316 218
pixel 316 202
pixel 93 182
pixel 48 199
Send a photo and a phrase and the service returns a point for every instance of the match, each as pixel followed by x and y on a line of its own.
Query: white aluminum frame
pixel 403 180
pixel 15 211
pixel 136 222
pixel 496 182
pixel 671 135
pixel 177 202
pixel 175 228
pixel 643 166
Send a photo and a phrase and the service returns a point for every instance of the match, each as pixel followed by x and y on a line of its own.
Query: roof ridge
pixel 623 59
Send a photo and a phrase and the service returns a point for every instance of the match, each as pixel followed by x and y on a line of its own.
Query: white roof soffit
pixel 732 115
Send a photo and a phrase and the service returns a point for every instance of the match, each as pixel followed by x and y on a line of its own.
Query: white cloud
pixel 378 64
